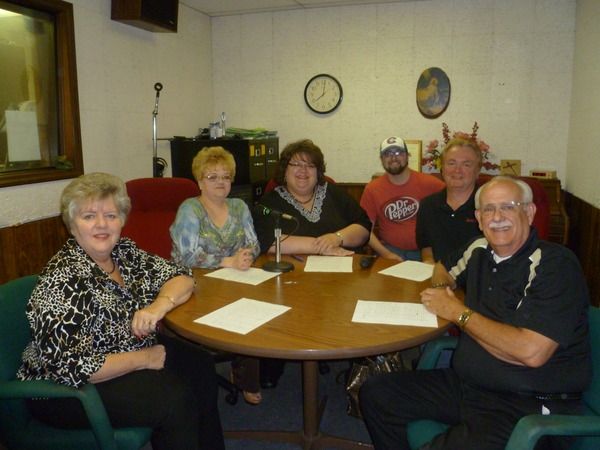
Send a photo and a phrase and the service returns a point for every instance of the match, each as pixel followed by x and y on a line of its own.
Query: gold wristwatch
pixel 464 318
pixel 338 234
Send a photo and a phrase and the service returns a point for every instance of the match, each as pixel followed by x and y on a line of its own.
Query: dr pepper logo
pixel 401 209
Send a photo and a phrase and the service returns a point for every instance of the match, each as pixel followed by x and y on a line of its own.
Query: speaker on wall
pixel 151 15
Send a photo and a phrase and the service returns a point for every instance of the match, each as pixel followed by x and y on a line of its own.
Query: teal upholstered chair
pixel 18 429
pixel 530 428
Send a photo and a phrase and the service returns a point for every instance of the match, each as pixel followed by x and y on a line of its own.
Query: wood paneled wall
pixel 26 248
pixel 584 240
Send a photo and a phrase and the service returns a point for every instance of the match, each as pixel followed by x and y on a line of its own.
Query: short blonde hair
pixel 460 142
pixel 93 186
pixel 210 157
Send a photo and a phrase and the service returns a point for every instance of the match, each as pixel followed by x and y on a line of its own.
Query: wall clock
pixel 323 93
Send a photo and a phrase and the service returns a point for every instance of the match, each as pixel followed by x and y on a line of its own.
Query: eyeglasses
pixel 390 153
pixel 213 177
pixel 506 209
pixel 301 165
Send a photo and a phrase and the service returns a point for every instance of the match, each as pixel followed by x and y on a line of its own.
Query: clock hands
pixel 323 93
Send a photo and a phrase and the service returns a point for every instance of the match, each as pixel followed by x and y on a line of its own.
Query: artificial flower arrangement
pixel 432 159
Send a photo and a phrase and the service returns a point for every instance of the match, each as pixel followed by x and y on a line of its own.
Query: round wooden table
pixel 317 327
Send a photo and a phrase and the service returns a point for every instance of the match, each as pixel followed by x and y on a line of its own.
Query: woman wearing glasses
pixel 329 221
pixel 213 231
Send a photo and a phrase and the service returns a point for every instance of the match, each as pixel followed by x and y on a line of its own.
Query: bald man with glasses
pixel 524 347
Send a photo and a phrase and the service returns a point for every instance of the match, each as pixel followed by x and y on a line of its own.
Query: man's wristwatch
pixel 338 234
pixel 464 318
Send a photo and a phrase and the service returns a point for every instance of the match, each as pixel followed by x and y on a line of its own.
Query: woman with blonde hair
pixel 213 230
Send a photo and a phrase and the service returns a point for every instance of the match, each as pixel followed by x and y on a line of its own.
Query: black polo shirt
pixel 541 288
pixel 444 229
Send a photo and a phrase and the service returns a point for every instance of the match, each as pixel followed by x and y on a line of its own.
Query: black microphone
pixel 367 261
pixel 158 88
pixel 266 211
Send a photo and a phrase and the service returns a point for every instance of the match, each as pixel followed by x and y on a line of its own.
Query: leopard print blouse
pixel 78 314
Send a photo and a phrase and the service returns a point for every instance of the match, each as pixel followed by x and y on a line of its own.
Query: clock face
pixel 323 93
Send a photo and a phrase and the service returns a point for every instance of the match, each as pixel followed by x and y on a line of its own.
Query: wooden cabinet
pixel 559 220
pixel 151 15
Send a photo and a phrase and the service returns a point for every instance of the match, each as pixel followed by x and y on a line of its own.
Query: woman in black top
pixel 330 222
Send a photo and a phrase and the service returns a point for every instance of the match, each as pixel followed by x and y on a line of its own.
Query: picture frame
pixel 414 153
pixel 433 92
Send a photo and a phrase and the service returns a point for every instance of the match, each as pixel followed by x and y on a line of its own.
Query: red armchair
pixel 154 204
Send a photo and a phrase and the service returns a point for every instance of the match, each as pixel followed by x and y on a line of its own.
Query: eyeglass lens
pixel 504 208
pixel 303 165
pixel 212 177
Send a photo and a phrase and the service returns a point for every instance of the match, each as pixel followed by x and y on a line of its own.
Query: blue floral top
pixel 197 242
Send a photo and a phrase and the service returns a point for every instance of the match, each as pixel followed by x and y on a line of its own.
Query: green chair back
pixel 18 429
pixel 14 328
pixel 591 397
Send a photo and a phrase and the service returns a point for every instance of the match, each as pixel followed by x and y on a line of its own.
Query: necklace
pixel 305 201
pixel 114 267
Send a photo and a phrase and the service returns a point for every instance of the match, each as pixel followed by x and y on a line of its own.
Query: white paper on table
pixel 252 276
pixel 393 313
pixel 243 315
pixel 410 270
pixel 328 264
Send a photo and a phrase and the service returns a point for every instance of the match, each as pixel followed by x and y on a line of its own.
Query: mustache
pixel 501 224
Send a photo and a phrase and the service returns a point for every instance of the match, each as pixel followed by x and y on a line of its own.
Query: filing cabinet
pixel 255 160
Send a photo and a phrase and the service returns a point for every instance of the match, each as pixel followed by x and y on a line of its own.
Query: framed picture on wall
pixel 433 92
pixel 414 154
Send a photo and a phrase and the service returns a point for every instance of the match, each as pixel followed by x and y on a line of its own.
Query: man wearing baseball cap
pixel 392 202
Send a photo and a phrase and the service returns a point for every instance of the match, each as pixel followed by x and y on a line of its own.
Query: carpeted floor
pixel 281 409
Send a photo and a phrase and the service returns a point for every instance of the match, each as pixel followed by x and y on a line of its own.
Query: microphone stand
pixel 278 265
pixel 158 164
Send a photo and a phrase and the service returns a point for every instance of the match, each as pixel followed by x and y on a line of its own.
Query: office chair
pixel 586 427
pixel 18 429
pixel 154 205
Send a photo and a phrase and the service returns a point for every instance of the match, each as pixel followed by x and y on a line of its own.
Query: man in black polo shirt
pixel 524 347
pixel 446 220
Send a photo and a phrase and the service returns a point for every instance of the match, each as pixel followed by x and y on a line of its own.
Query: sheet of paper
pixel 243 315
pixel 23 140
pixel 252 276
pixel 393 313
pixel 410 270
pixel 328 264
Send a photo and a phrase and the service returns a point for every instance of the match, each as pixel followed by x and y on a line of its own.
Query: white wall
pixel 117 66
pixel 509 63
pixel 583 155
